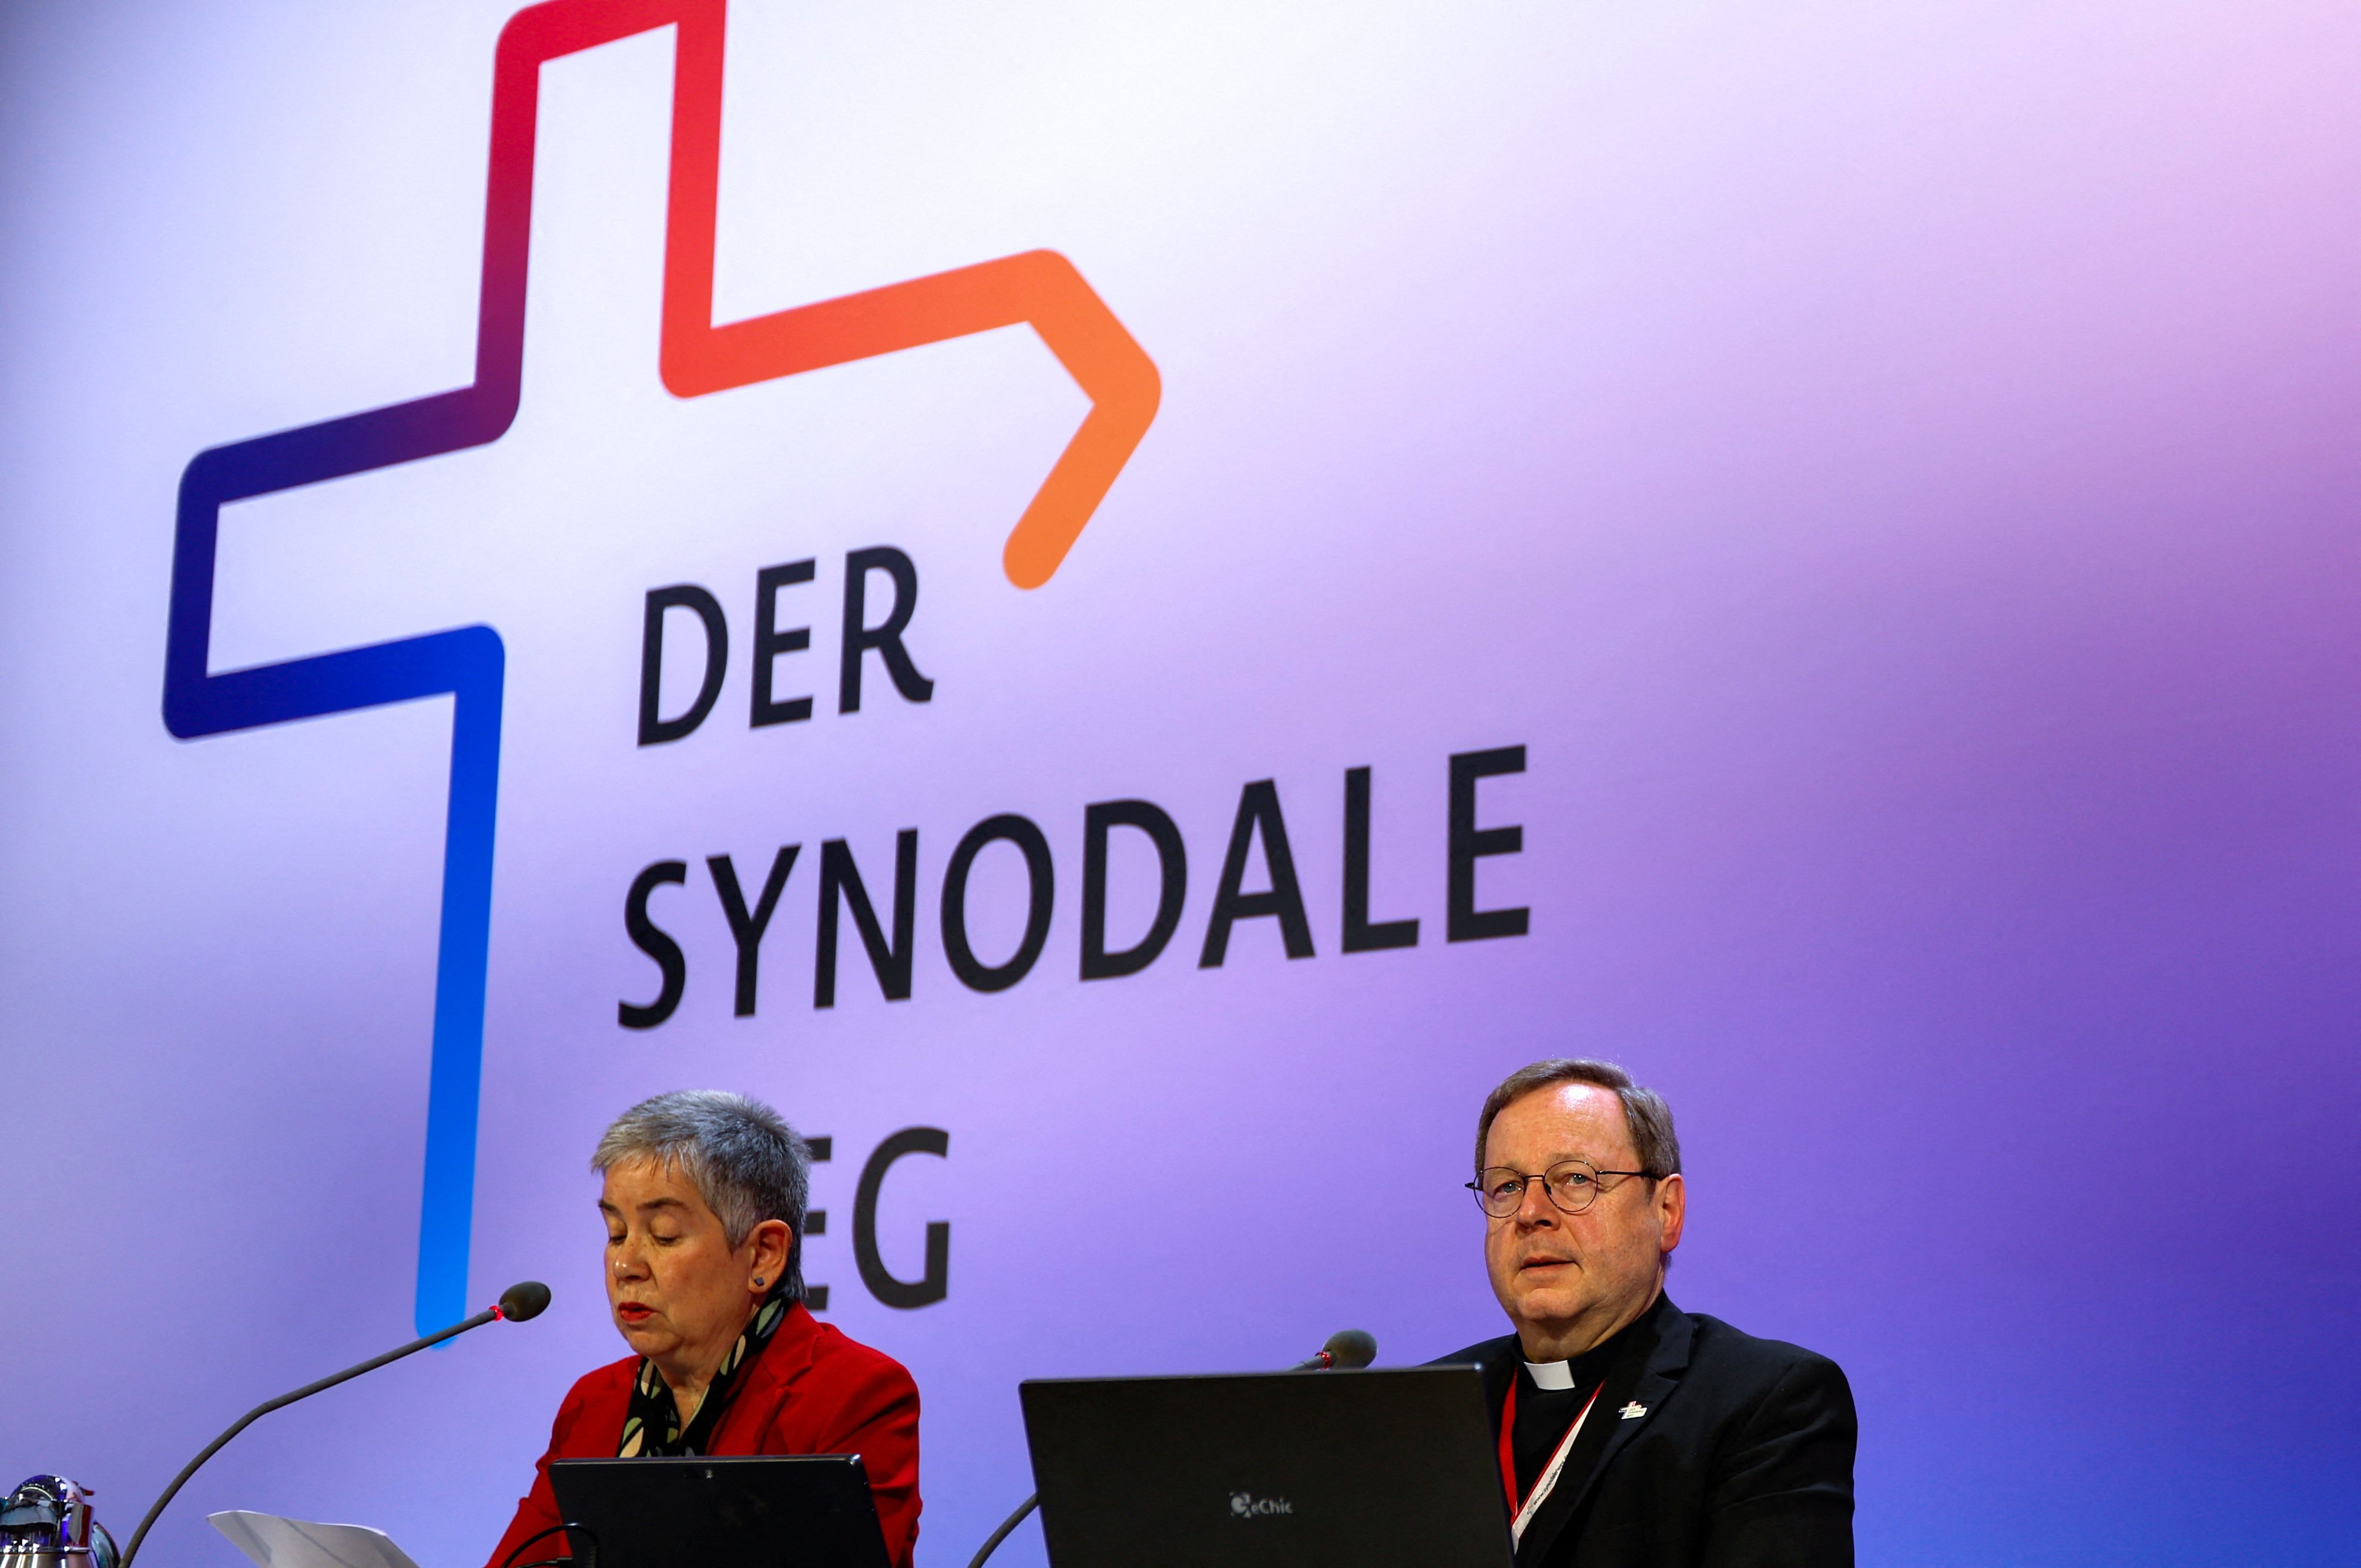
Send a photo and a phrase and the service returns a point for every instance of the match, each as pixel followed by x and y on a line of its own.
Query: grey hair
pixel 1645 1113
pixel 745 1161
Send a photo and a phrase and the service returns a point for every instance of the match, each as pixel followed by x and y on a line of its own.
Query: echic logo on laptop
pixel 1247 1506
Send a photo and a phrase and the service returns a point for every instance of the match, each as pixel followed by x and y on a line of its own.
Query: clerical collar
pixel 1552 1375
pixel 1586 1369
pixel 1580 1372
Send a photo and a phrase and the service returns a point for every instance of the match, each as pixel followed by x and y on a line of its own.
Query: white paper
pixel 274 1542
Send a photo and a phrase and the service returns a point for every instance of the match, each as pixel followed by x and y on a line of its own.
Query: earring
pixel 758 1279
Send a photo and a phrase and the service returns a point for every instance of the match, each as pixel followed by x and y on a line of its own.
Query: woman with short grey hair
pixel 703 1193
pixel 744 1161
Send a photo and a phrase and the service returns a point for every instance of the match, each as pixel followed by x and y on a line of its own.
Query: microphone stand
pixel 1010 1522
pixel 488 1315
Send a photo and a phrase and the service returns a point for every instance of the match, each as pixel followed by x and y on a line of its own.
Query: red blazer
pixel 811 1391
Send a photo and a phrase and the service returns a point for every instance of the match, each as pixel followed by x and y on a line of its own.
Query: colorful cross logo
pixel 1039 289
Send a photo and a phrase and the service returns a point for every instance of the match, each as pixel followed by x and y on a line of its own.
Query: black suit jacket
pixel 1743 1458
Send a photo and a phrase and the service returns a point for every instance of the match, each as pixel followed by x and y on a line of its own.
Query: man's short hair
pixel 741 1155
pixel 1645 1113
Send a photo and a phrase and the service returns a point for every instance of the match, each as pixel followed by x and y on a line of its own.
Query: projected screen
pixel 1120 609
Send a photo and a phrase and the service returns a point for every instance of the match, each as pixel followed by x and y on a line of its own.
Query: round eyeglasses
pixel 1572 1185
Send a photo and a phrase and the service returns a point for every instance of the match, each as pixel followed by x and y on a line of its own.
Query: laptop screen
pixel 1391 1469
pixel 770 1511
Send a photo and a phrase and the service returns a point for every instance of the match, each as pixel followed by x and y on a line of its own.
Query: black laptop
pixel 770 1511
pixel 1391 1469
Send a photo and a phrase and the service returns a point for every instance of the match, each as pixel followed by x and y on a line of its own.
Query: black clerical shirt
pixel 1707 1448
pixel 1543 1414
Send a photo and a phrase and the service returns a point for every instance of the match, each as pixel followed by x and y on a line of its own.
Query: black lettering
pixel 770 642
pixel 1173 862
pixel 656 943
pixel 1360 934
pixel 886 636
pixel 1467 923
pixel 890 959
pixel 655 730
pixel 745 929
pixel 936 1283
pixel 1257 809
pixel 1042 877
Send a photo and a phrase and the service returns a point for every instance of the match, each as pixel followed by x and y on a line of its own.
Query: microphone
pixel 516 1304
pixel 1348 1348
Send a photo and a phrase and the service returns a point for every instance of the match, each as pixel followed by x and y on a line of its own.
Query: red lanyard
pixel 1509 1444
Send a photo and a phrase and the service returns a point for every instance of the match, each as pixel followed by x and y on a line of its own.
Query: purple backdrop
pixel 1895 470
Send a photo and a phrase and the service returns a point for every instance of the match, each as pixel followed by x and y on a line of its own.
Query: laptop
pixel 1391 1469
pixel 768 1512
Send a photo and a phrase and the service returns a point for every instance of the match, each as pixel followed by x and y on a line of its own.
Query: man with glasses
pixel 1632 1432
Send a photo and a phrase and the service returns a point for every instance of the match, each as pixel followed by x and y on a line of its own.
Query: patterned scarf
pixel 653 1409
